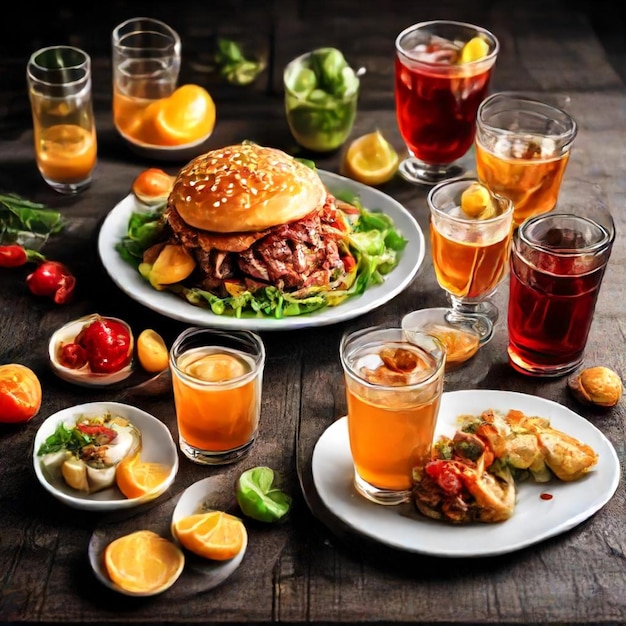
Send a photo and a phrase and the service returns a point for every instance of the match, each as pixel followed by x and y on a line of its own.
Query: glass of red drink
pixel 443 69
pixel 557 265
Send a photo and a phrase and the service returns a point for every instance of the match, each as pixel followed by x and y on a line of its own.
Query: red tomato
pixel 52 279
pixel 20 393
pixel 108 345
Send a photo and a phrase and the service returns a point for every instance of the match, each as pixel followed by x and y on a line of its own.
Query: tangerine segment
pixel 143 562
pixel 136 478
pixel 185 116
pixel 214 535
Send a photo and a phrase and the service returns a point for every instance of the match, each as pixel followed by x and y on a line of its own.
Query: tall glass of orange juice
pixel 217 379
pixel 393 384
pixel 522 149
pixel 470 237
pixel 59 87
pixel 146 55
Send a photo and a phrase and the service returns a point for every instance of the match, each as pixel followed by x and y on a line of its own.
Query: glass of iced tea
pixel 146 64
pixel 443 70
pixel 558 261
pixel 470 237
pixel 217 379
pixel 393 392
pixel 522 150
pixel 59 87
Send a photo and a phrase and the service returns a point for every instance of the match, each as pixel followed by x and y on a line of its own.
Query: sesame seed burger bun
pixel 245 188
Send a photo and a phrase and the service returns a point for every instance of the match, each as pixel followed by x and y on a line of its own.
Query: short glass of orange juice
pixel 59 87
pixel 394 383
pixel 217 379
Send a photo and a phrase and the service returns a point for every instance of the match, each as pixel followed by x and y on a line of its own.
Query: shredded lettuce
pixel 374 241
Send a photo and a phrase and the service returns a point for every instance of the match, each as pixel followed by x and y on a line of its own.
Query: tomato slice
pixel 20 393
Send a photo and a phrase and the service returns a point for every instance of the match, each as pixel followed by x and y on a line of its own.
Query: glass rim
pixel 522 98
pixel 509 212
pixel 253 338
pixel 165 30
pixel 37 71
pixel 437 373
pixel 488 59
pixel 595 248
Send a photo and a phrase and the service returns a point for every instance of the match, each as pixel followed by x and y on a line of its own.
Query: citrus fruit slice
pixel 214 535
pixel 136 478
pixel 474 50
pixel 371 159
pixel 143 562
pixel 152 351
pixel 187 115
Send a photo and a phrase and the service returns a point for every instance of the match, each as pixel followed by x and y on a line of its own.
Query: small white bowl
pixel 83 376
pixel 182 153
pixel 157 446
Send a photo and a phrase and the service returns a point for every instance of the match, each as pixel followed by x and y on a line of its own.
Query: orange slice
pixel 143 562
pixel 136 478
pixel 213 535
pixel 186 116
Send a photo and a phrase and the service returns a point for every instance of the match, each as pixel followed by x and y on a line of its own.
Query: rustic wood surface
pixel 308 569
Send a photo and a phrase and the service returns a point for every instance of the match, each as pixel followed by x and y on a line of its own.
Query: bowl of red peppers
pixel 92 350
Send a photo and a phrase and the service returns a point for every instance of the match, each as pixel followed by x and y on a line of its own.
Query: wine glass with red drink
pixel 443 70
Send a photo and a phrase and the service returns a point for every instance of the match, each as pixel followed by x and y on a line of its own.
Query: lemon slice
pixel 476 202
pixel 371 159
pixel 474 50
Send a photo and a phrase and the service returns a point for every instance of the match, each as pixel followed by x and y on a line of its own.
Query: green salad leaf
pixel 26 223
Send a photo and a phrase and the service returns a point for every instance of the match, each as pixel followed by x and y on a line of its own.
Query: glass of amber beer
pixel 470 236
pixel 393 390
pixel 217 378
pixel 522 150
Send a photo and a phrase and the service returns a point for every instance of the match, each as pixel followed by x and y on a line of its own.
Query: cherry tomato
pixel 20 393
pixel 108 345
pixel 12 256
pixel 73 356
pixel 52 279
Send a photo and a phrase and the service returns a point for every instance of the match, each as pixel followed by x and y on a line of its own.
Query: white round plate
pixel 534 519
pixel 115 227
pixel 157 446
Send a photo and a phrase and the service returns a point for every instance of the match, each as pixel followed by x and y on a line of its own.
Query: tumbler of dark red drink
pixel 443 69
pixel 557 265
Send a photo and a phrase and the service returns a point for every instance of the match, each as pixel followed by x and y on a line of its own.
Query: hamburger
pixel 250 228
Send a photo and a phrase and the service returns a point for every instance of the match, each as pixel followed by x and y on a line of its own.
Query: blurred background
pixel 278 28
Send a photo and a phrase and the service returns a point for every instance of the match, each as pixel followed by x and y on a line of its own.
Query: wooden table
pixel 308 569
